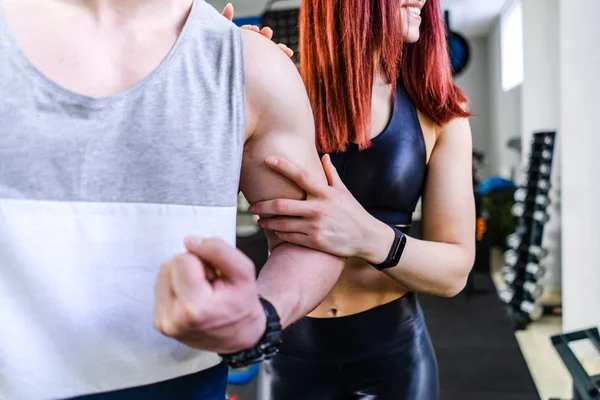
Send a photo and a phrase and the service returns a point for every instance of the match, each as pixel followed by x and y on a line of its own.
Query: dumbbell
pixel 534 290
pixel 545 155
pixel 542 169
pixel 506 294
pixel 529 307
pixel 521 195
pixel 538 252
pixel 511 257
pixel 519 211
pixel 539 139
pixel 528 283
pixel 533 271
pixel 541 184
pixel 509 275
pixel 516 241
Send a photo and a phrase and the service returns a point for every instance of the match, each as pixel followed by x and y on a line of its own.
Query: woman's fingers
pixel 295 238
pixel 283 207
pixel 229 11
pixel 288 52
pixel 285 224
pixel 267 32
pixel 299 175
pixel 252 28
pixel 332 175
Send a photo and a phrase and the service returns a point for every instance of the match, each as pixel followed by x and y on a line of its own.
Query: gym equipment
pixel 522 196
pixel 520 210
pixel 523 268
pixel 515 144
pixel 238 381
pixel 458 46
pixel 585 387
pixel 283 20
pixel 285 23
pixel 241 377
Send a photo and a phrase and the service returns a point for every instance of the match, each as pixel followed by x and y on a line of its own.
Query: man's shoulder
pixel 211 19
pixel 211 30
pixel 273 83
pixel 267 60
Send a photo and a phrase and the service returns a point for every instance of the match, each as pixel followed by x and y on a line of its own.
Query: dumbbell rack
pixel 523 259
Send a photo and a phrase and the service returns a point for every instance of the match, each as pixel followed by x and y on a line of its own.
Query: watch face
pixel 395 252
pixel 399 249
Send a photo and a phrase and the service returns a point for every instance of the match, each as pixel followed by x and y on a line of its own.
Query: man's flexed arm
pixel 207 298
pixel 280 123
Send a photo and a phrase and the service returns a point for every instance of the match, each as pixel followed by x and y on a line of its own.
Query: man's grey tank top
pixel 96 193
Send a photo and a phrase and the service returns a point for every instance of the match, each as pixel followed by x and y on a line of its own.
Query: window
pixel 511 25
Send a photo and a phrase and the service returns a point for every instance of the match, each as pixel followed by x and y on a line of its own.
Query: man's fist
pixel 207 298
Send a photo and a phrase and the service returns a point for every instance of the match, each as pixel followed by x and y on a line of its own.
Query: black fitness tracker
pixel 396 251
pixel 266 348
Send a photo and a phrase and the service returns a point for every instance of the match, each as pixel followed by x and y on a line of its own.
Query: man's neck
pixel 116 10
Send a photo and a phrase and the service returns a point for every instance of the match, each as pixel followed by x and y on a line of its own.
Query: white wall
pixel 474 82
pixel 505 113
pixel 541 112
pixel 541 89
pixel 579 89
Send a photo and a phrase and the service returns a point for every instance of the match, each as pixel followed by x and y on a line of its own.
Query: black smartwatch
pixel 266 348
pixel 396 251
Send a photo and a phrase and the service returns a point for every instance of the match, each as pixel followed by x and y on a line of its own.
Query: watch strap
pixel 396 250
pixel 268 346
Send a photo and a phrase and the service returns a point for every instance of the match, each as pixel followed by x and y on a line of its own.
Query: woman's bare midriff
pixel 360 288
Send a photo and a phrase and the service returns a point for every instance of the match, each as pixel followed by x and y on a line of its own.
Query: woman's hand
pixel 330 219
pixel 267 32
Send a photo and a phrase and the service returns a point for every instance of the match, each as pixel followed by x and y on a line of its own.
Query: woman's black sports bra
pixel 388 178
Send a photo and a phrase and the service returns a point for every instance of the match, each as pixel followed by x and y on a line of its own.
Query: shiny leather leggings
pixel 380 354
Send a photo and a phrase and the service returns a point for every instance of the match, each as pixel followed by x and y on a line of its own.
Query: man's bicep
pixel 282 123
pixel 259 182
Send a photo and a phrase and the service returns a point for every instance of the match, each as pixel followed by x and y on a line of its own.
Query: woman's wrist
pixel 377 242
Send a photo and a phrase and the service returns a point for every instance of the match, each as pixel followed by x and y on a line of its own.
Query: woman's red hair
pixel 338 43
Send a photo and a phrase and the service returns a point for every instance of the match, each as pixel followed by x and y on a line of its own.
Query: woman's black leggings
pixel 380 354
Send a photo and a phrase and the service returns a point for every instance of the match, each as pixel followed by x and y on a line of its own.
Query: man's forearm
pixel 296 280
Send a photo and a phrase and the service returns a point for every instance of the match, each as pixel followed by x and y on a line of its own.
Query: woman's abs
pixel 360 288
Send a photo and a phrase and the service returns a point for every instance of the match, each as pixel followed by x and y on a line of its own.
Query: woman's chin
pixel 412 37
